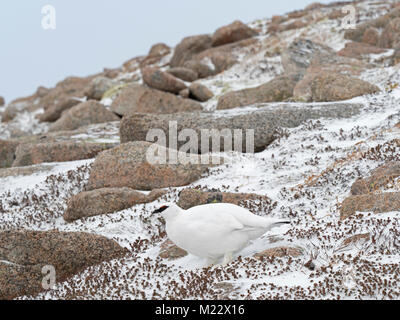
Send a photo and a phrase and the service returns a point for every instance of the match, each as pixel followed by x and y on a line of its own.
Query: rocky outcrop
pixel 156 53
pixel 396 56
pixel 185 93
pixel 170 251
pixel 7 153
pixel 371 36
pixel 26 171
pixel 213 61
pixel 279 89
pixel 134 165
pixel 189 198
pixel 380 177
pixel 381 23
pixel 42 91
pixel 233 32
pixel 103 133
pixel 308 58
pixel 99 86
pixel 390 37
pixel 159 50
pixel 200 92
pixel 158 102
pixel 9 114
pixel 298 56
pixel 279 252
pixel 204 68
pixel 136 98
pixel 208 61
pixel 359 50
pixel 54 112
pixel 111 73
pixel 90 112
pixel 264 122
pixel 376 203
pixel 184 74
pixel 128 98
pixel 157 79
pixel 29 154
pixel 65 95
pixel 23 254
pixel 336 14
pixel 326 87
pixel 106 200
pixel 28 104
pixel 188 48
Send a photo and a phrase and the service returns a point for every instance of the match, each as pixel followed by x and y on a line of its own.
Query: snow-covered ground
pixel 292 172
pixel 306 173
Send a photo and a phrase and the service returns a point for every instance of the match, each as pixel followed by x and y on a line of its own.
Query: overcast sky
pixel 93 34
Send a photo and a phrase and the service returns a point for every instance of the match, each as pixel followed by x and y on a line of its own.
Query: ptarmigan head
pixel 169 211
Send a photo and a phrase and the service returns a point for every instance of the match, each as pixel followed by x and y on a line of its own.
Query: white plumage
pixel 214 231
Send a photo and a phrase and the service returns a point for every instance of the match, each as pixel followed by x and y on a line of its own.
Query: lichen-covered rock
pixel 137 98
pixel 99 86
pixel 127 98
pixel 189 47
pixel 170 251
pixel 24 253
pixel 233 32
pixel 7 153
pixel 264 122
pixel 18 280
pixel 184 74
pixel 131 165
pixel 29 104
pixel 200 92
pixel 204 68
pixel 378 178
pixel 42 91
pixel 106 200
pixel 215 60
pixel 381 22
pixel 159 49
pixel 28 154
pixel 54 112
pixel 376 203
pixel 308 58
pixel 65 95
pixel 359 50
pixel 280 252
pixel 301 52
pixel 371 36
pixel 156 53
pixel 85 113
pixel 326 87
pixel 185 94
pixel 26 171
pixel 9 114
pixel 390 37
pixel 396 56
pixel 160 80
pixel 277 90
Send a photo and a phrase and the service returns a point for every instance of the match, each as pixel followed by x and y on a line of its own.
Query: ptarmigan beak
pixel 162 209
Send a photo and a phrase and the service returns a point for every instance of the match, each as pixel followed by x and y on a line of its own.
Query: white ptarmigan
pixel 215 230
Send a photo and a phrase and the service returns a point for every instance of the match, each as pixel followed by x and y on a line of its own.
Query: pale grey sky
pixel 93 34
